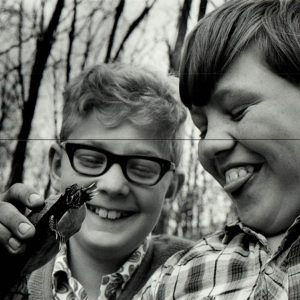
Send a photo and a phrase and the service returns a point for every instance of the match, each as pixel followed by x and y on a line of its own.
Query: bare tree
pixel 43 48
pixel 71 40
pixel 91 35
pixel 20 50
pixel 174 53
pixel 119 11
pixel 132 27
pixel 202 9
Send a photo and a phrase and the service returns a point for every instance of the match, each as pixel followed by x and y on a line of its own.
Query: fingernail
pixel 24 227
pixel 33 198
pixel 14 244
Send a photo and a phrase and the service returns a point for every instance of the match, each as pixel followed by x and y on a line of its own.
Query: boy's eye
pixel 143 168
pixel 238 114
pixel 89 158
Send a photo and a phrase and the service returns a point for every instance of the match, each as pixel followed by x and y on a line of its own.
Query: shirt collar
pixel 236 227
pixel 134 261
pixel 113 284
pixel 62 274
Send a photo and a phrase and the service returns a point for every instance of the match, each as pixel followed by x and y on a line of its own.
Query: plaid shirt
pixel 233 264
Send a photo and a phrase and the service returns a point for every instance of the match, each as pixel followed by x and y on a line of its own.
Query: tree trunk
pixel 43 49
pixel 119 11
pixel 71 41
pixel 132 27
pixel 175 53
pixel 202 9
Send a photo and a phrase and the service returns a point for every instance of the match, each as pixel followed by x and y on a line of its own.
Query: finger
pixel 5 235
pixel 22 196
pixel 15 222
pixel 9 242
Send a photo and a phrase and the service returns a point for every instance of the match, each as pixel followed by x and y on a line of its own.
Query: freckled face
pixel 104 231
pixel 251 143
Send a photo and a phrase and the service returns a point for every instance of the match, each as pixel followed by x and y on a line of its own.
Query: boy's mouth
pixel 108 214
pixel 236 177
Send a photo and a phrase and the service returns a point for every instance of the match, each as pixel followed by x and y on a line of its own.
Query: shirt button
pixel 269 270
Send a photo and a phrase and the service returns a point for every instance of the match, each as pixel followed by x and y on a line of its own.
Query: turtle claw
pixel 91 190
pixel 58 236
pixel 53 226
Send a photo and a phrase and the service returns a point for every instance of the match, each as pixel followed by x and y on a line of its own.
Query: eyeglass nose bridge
pixel 116 159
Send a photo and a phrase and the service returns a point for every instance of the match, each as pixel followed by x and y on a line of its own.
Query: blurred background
pixel 44 43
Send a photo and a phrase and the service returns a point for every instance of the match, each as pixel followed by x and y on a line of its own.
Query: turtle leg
pixel 53 227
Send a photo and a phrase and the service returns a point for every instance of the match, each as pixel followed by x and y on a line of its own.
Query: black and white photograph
pixel 150 149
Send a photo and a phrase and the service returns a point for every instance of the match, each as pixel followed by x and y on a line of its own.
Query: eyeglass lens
pixel 139 170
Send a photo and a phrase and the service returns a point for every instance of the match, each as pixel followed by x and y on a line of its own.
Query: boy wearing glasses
pixel 120 131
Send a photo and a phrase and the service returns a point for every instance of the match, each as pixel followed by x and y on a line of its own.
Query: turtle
pixel 46 242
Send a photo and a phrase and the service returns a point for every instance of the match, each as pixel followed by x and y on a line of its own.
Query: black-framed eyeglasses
pixel 92 161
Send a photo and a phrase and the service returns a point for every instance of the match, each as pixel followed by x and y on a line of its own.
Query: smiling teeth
pixel 235 174
pixel 108 214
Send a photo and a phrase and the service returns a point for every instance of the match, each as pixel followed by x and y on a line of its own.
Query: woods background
pixel 44 43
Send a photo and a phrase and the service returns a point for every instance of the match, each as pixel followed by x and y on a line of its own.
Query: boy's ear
pixel 176 184
pixel 54 156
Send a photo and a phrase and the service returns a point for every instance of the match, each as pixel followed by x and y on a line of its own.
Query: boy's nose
pixel 218 140
pixel 113 182
pixel 209 149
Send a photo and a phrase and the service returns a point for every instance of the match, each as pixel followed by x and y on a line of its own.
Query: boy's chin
pixel 108 246
pixel 267 229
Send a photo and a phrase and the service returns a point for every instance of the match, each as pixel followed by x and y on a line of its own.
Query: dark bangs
pixel 272 26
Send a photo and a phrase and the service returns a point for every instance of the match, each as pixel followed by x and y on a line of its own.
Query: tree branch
pixel 20 50
pixel 71 41
pixel 132 27
pixel 202 9
pixel 119 11
pixel 174 55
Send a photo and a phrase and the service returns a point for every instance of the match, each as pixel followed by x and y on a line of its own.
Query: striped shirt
pixel 233 264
